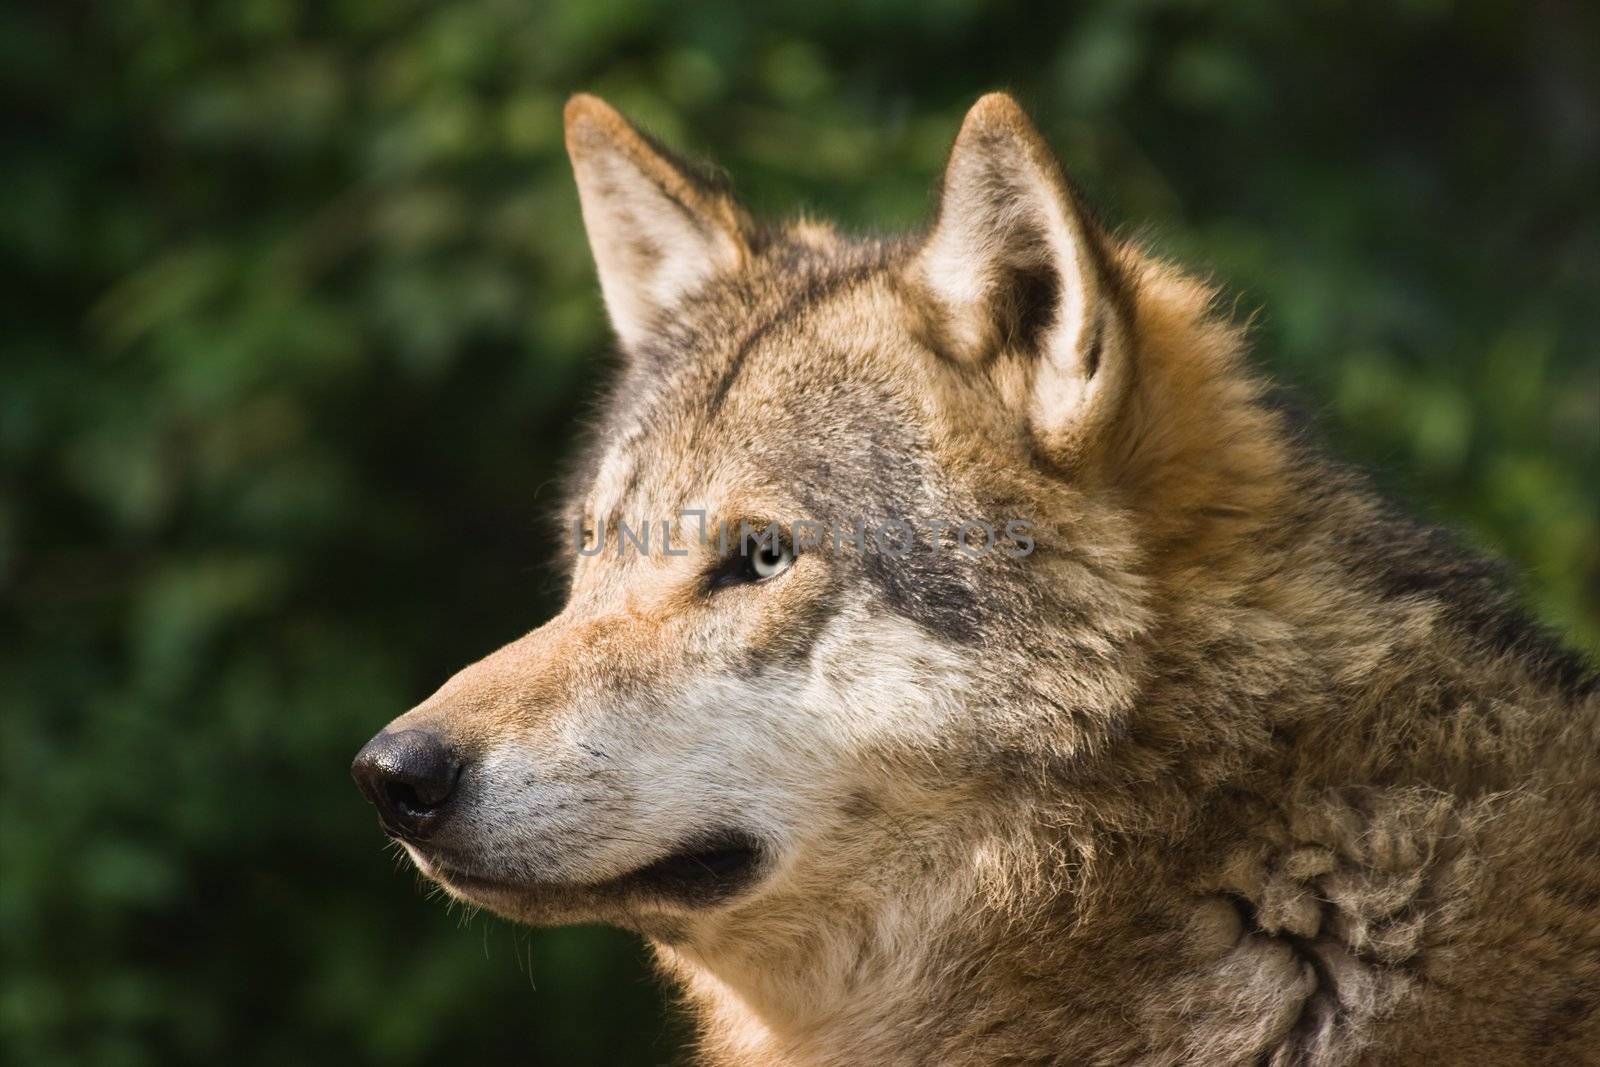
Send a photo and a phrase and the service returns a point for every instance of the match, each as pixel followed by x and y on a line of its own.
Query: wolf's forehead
pixel 750 382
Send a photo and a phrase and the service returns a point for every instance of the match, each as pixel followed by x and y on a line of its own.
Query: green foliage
pixel 300 318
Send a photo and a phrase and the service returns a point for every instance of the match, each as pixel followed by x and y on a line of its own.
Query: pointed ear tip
pixel 586 105
pixel 586 116
pixel 996 109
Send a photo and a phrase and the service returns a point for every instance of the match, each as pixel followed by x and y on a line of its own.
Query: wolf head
pixel 870 534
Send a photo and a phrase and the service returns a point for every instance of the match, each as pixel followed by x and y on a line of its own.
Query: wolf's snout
pixel 408 776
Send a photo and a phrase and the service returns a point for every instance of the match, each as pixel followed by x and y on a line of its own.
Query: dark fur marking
pixel 1097 341
pixel 1561 1022
pixel 1400 556
pixel 918 588
pixel 875 470
pixel 1029 306
pixel 815 291
pixel 1411 559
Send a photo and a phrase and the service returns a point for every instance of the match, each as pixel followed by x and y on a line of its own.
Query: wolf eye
pixel 766 561
pixel 756 561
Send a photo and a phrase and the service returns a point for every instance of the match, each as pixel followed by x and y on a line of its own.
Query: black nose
pixel 408 776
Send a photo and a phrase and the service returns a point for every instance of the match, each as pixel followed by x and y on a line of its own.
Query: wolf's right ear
pixel 657 229
pixel 1016 268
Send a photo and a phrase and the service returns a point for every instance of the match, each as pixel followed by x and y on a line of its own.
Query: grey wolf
pixel 1239 765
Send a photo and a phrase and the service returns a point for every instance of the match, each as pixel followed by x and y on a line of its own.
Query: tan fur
pixel 1239 767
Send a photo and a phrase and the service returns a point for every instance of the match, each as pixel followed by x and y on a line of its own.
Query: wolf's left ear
pixel 1015 266
pixel 657 229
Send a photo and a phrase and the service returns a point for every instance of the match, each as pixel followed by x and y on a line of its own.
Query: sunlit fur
pixel 1240 765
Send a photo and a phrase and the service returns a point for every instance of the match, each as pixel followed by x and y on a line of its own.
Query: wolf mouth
pixel 704 870
pixel 701 871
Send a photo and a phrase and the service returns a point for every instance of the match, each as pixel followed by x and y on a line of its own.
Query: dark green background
pixel 299 320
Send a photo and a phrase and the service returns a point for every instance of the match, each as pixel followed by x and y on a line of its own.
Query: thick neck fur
pixel 1330 720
